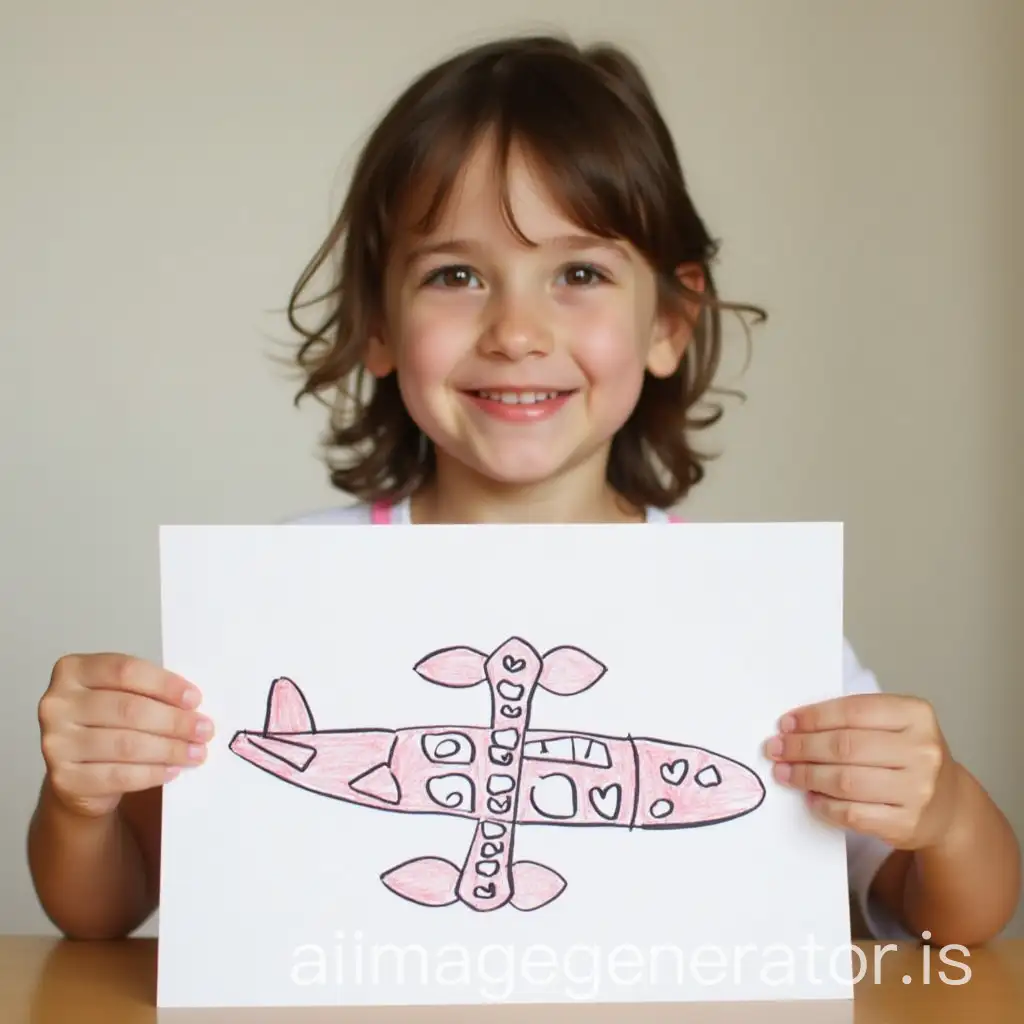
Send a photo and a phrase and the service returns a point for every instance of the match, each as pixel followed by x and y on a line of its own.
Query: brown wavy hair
pixel 588 118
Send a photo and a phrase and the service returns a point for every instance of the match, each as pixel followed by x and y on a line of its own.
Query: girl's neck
pixel 457 495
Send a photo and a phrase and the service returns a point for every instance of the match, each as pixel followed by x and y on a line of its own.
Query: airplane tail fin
pixel 287 710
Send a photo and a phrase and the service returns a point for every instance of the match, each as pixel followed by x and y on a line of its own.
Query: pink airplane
pixel 503 776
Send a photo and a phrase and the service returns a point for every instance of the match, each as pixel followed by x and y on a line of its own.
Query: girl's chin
pixel 520 468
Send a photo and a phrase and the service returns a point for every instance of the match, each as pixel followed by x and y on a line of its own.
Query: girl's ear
pixel 673 329
pixel 379 359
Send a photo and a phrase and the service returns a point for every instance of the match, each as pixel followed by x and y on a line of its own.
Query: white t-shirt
pixel 864 854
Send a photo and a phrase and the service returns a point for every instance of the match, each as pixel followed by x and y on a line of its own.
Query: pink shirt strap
pixel 380 514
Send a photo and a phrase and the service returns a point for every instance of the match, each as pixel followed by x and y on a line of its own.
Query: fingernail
pixel 196 752
pixel 782 772
pixel 204 728
pixel 191 697
pixel 787 723
pixel 172 773
pixel 773 747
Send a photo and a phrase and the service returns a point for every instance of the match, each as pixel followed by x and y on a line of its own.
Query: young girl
pixel 523 326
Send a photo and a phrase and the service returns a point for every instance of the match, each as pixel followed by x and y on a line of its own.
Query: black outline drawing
pixel 603 781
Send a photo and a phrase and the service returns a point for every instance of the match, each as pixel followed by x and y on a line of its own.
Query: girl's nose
pixel 516 331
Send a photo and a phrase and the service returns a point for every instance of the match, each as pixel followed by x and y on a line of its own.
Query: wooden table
pixel 46 981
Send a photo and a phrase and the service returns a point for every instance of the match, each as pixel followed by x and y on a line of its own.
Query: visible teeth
pixel 518 397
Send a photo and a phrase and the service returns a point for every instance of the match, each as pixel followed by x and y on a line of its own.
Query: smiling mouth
pixel 520 397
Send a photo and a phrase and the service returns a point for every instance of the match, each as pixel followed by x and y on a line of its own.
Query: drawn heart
pixel 513 664
pixel 674 772
pixel 499 756
pixel 491 849
pixel 511 712
pixel 484 892
pixel 606 801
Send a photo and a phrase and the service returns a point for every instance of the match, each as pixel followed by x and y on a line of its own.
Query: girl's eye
pixel 451 277
pixel 578 275
pixel 583 274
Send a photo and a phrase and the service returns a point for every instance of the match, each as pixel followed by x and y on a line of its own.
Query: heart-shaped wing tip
pixel 534 885
pixel 428 881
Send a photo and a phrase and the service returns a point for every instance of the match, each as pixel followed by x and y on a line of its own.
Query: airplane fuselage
pixel 567 778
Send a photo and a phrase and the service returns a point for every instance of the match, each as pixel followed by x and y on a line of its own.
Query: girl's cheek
pixel 606 343
pixel 433 349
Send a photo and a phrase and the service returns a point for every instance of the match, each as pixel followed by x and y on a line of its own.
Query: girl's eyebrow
pixel 568 243
pixel 576 243
pixel 456 246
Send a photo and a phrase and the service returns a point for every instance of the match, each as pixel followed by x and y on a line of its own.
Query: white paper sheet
pixel 675 651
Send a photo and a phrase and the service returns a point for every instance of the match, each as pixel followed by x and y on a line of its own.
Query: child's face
pixel 520 363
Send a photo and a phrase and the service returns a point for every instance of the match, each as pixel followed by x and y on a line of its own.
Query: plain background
pixel 169 168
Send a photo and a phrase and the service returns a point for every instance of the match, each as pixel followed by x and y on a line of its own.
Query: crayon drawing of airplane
pixel 502 777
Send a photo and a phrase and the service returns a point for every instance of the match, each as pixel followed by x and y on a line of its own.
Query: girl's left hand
pixel 876 763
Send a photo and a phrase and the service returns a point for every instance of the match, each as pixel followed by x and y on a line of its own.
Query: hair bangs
pixel 583 141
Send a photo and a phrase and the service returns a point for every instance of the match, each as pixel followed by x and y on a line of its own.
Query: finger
pixel 135 675
pixel 109 709
pixel 841 746
pixel 844 782
pixel 891 713
pixel 127 746
pixel 100 780
pixel 882 820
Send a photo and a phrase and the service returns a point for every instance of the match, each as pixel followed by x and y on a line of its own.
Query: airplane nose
pixel 746 786
pixel 683 786
pixel 730 786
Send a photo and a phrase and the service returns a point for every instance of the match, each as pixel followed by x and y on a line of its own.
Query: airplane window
pixel 448 747
pixel 572 749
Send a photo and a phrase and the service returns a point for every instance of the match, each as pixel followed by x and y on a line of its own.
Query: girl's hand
pixel 876 763
pixel 113 724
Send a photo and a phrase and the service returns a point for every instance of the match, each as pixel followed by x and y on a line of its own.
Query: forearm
pixel 965 888
pixel 89 873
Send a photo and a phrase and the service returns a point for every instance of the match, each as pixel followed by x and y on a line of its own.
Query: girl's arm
pixel 964 887
pixel 96 877
pixel 878 764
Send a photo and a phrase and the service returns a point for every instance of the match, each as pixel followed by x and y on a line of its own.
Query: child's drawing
pixel 502 777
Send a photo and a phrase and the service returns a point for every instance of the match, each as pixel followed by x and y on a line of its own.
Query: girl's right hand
pixel 113 724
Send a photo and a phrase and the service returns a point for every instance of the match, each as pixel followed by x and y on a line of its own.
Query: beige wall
pixel 168 168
